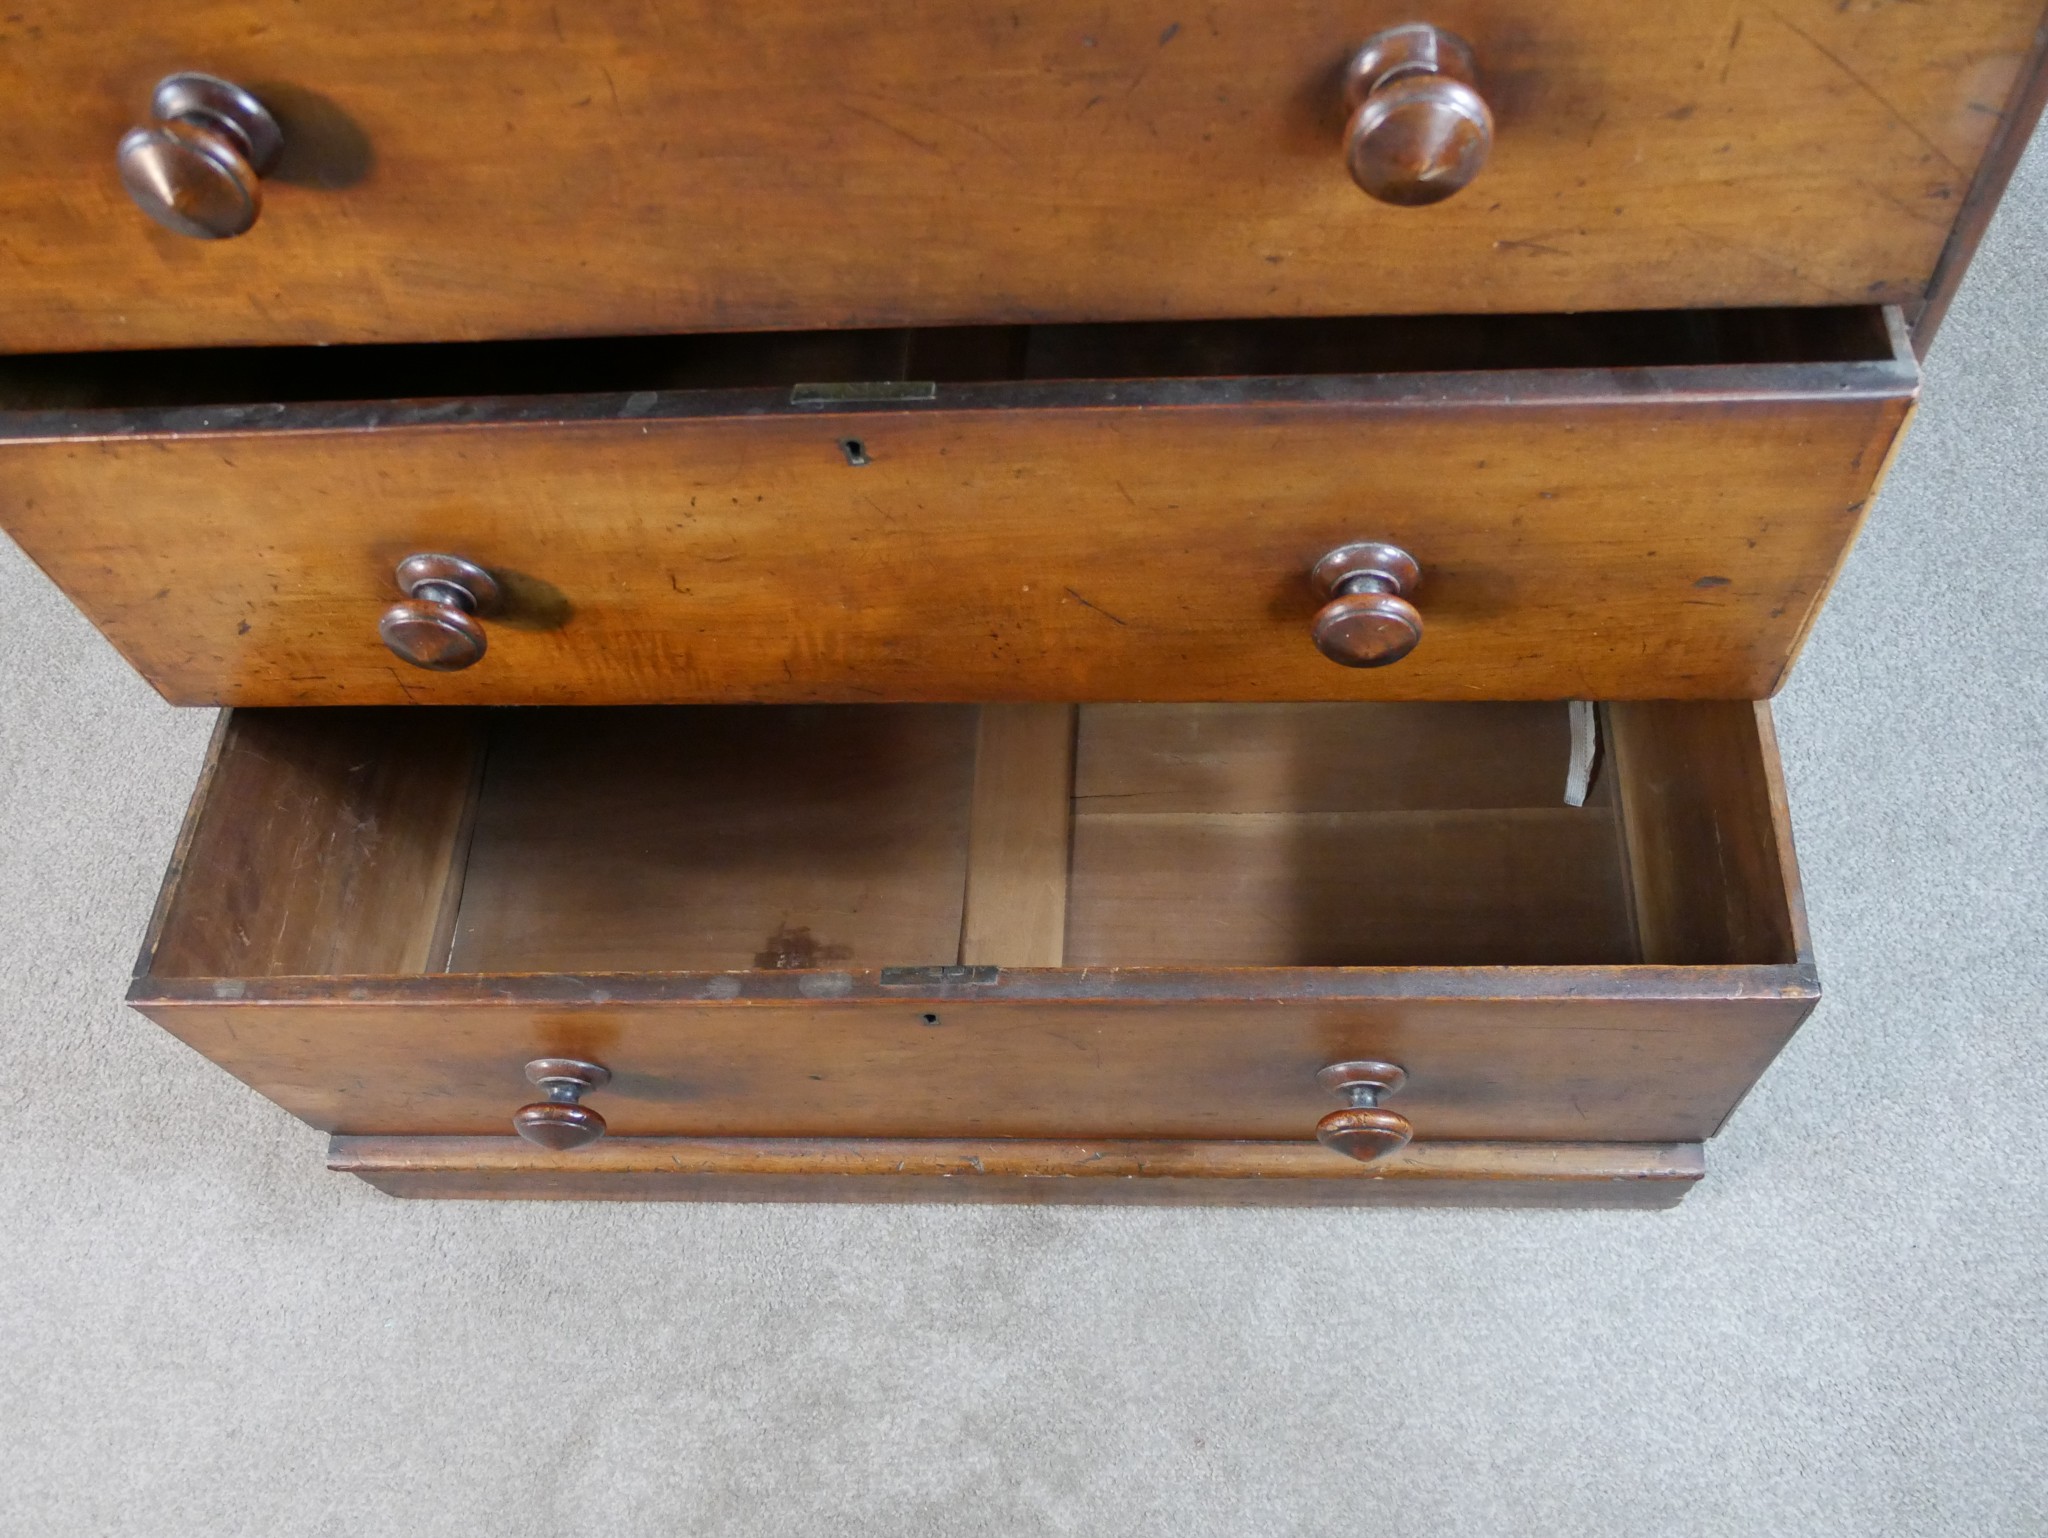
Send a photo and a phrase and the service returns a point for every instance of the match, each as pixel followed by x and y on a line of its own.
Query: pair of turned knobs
pixel 1366 620
pixel 1361 1131
pixel 1418 131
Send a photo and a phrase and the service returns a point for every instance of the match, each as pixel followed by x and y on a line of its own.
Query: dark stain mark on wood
pixel 793 949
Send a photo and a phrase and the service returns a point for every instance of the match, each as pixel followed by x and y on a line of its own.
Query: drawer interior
pixel 735 838
pixel 962 355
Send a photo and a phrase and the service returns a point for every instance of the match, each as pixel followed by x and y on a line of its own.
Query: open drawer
pixel 1607 506
pixel 1029 950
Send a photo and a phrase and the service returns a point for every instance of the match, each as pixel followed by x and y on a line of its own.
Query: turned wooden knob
pixel 197 170
pixel 1368 621
pixel 1363 1131
pixel 435 627
pixel 1419 128
pixel 559 1122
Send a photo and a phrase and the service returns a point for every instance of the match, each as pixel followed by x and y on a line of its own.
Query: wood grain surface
pixel 327 843
pixel 914 1170
pixel 1702 792
pixel 1335 835
pixel 683 164
pixel 1564 1053
pixel 2023 107
pixel 781 838
pixel 1021 833
pixel 1655 533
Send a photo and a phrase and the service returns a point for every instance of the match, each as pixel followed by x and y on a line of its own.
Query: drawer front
pixel 1515 1065
pixel 1638 533
pixel 684 165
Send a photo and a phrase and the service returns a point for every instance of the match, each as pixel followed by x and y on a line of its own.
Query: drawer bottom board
pixel 1025 1171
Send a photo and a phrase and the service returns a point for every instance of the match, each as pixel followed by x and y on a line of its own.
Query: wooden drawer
pixel 1632 506
pixel 1118 941
pixel 682 165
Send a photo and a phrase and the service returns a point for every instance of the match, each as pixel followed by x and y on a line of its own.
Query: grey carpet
pixel 1841 1332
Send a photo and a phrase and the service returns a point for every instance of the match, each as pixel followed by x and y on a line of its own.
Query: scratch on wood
pixel 882 122
pixel 1084 603
pixel 1935 221
pixel 1733 38
pixel 1872 92
pixel 1767 259
pixel 963 124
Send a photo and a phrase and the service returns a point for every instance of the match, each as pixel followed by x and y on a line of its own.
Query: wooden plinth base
pixel 1015 1170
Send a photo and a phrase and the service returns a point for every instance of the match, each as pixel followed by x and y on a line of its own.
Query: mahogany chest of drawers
pixel 938 603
